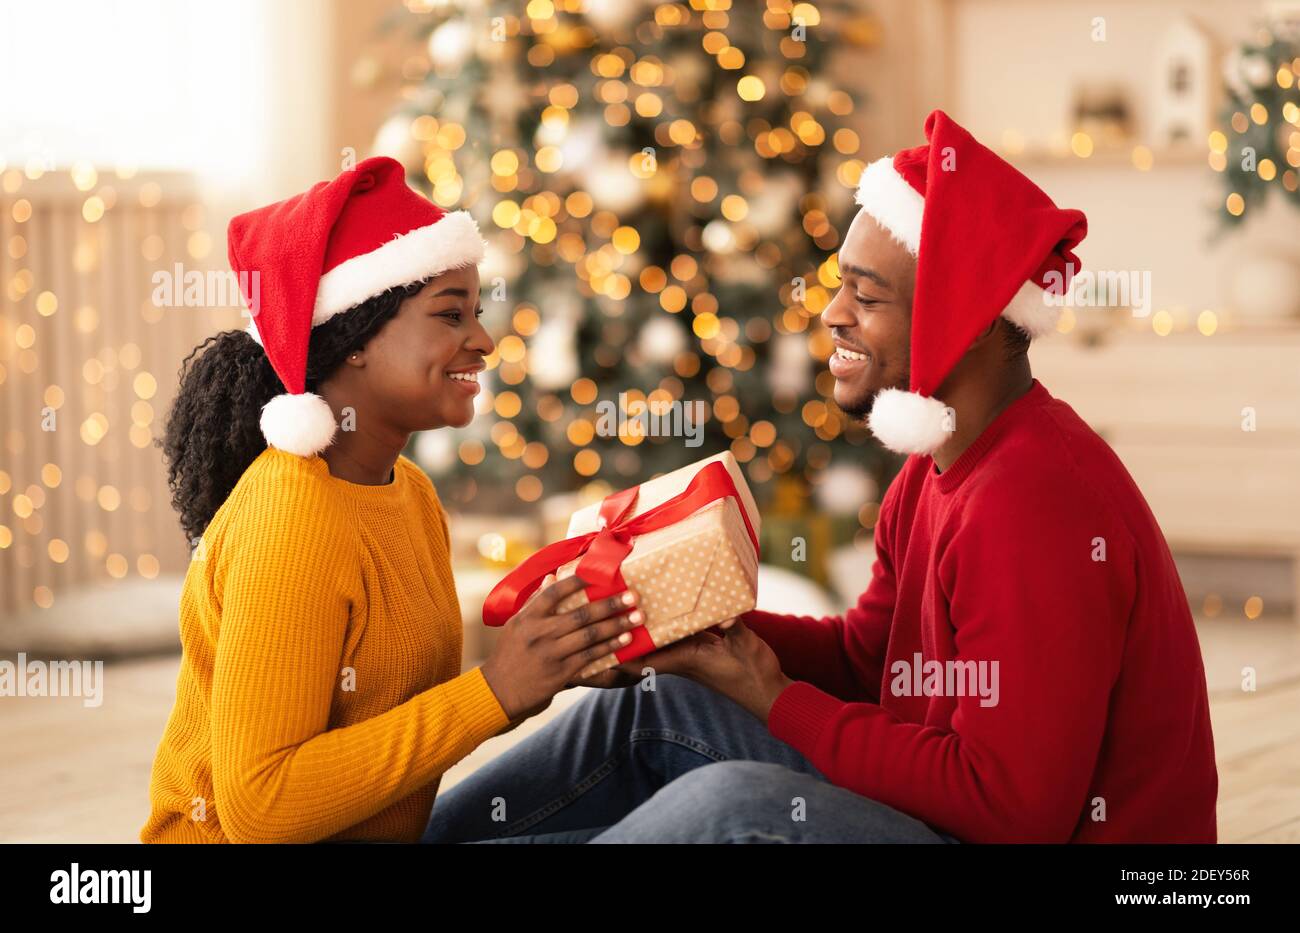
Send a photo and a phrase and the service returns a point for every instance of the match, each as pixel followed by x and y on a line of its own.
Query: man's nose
pixel 838 313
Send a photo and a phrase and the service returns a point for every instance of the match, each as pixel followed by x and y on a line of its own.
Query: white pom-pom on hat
pixel 908 422
pixel 298 424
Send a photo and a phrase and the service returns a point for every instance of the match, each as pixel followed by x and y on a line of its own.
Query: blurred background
pixel 664 187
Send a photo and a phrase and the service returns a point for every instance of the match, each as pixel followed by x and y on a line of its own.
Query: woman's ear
pixel 356 358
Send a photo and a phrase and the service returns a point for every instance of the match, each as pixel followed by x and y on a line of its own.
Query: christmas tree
pixel 1262 154
pixel 658 183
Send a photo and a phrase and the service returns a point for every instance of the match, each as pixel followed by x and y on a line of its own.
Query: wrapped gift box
pixel 688 547
pixel 690 575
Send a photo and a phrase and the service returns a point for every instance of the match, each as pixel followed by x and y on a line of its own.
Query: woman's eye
pixel 453 315
pixel 865 301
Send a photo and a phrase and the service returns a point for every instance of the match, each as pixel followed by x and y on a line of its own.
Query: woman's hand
pixel 541 651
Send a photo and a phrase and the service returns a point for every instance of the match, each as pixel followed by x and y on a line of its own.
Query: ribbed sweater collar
pixel 393 492
pixel 952 478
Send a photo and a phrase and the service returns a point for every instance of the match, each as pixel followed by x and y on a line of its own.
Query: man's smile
pixel 847 360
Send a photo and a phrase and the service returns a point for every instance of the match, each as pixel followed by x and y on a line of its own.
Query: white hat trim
pixel 892 202
pixel 1033 310
pixel 451 243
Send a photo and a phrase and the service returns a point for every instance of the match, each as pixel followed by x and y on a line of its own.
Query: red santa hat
pixel 987 242
pixel 323 252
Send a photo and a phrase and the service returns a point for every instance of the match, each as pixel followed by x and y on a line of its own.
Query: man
pixel 1023 665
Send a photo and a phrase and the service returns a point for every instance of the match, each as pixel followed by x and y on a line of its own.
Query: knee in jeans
pixel 674 688
pixel 752 781
pixel 658 703
pixel 735 801
pixel 610 705
pixel 664 687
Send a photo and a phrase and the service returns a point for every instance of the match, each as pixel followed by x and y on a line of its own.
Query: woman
pixel 320 695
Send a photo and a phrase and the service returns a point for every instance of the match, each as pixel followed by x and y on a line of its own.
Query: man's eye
pixel 865 301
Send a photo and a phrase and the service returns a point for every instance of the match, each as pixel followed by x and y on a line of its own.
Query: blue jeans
pixel 679 763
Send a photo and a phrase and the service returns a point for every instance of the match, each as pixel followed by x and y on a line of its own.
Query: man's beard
pixel 861 410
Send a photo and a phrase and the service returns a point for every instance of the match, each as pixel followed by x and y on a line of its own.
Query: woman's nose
pixel 480 340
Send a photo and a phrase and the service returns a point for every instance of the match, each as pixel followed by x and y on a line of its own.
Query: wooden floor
pixel 1257 745
pixel 73 774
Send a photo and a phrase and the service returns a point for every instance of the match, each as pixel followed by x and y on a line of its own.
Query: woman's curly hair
pixel 213 431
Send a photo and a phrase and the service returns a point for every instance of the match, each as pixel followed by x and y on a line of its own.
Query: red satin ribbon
pixel 603 551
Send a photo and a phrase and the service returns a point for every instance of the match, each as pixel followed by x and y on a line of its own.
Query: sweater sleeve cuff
pixel 799 716
pixel 479 710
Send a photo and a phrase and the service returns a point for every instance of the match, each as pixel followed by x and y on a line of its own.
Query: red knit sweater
pixel 1099 727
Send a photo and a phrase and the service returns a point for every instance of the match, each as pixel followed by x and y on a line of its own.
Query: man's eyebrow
pixel 866 274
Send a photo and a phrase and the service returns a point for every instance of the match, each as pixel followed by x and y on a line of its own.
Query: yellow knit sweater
pixel 320 695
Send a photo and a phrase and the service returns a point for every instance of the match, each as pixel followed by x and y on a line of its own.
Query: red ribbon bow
pixel 603 551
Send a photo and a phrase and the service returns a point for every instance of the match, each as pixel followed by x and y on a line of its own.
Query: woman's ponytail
pixel 213 431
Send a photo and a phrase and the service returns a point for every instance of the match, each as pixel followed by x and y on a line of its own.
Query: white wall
pixel 998 65
pixel 236 93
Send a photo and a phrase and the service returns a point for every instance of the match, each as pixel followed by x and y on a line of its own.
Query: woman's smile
pixel 466 379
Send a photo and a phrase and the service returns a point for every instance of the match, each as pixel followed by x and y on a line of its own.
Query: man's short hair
pixel 1014 339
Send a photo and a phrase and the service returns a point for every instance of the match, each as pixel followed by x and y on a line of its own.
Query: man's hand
pixel 728 658
pixel 631 672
